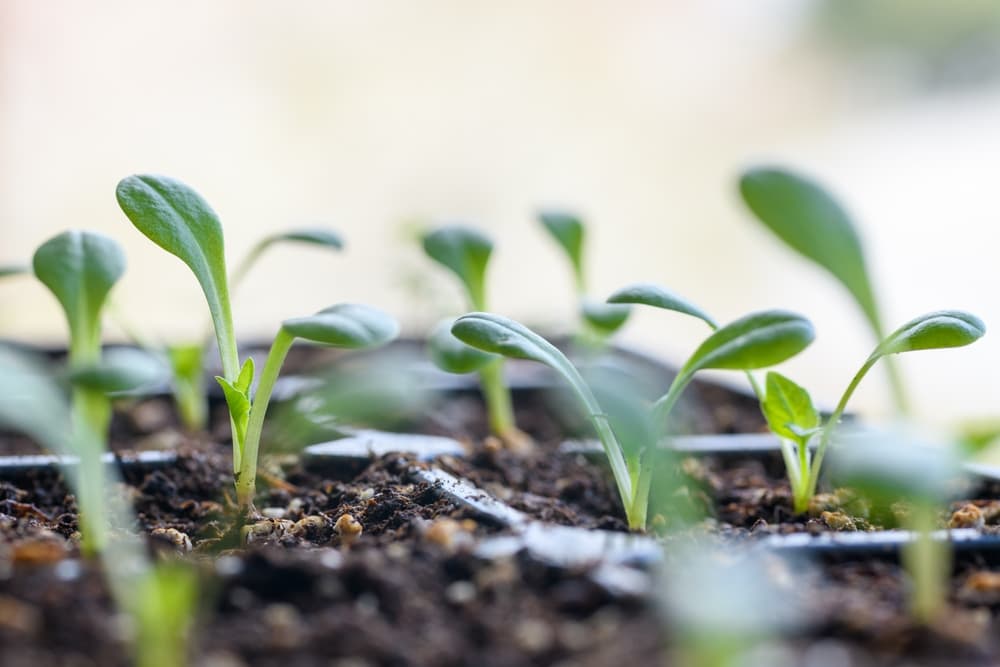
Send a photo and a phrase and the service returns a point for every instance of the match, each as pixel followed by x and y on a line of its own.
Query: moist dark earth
pixel 302 587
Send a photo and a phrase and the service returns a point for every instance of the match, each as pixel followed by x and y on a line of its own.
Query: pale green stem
pixel 927 562
pixel 498 402
pixel 833 422
pixel 246 476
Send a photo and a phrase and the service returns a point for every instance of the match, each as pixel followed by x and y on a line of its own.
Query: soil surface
pixel 365 568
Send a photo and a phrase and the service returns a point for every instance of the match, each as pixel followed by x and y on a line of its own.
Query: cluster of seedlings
pixel 80 268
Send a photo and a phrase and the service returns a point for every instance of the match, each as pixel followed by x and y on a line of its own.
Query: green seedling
pixel 80 268
pixel 177 219
pixel 791 415
pixel 601 320
pixel 466 253
pixel 810 221
pixel 160 599
pixel 755 341
pixel 893 466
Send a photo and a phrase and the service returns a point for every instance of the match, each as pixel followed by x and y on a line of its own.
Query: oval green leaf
pixel 788 408
pixel 648 294
pixel 940 329
pixel 176 218
pixel 80 268
pixel 809 220
pixel 569 232
pixel 121 370
pixel 452 355
pixel 348 325
pixel 754 341
pixel 605 318
pixel 464 251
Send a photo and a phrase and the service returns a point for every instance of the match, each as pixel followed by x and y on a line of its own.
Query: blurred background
pixel 376 117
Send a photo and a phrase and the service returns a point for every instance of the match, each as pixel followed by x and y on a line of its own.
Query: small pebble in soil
pixel 838 521
pixel 981 587
pixel 448 534
pixel 18 617
pixel 228 566
pixel 274 512
pixel 533 636
pixel 460 592
pixel 315 528
pixel 266 529
pixel 285 625
pixel 967 516
pixel 348 528
pixel 172 537
pixel 43 548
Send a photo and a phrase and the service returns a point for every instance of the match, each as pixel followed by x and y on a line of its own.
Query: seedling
pixel 810 221
pixel 160 599
pixel 466 253
pixel 892 466
pixel 755 341
pixel 80 268
pixel 176 218
pixel 791 415
pixel 186 360
pixel 600 320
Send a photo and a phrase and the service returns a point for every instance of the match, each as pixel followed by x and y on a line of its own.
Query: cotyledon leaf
pixel 809 220
pixel 452 355
pixel 936 330
pixel 80 268
pixel 466 252
pixel 648 294
pixel 347 325
pixel 179 220
pixel 568 231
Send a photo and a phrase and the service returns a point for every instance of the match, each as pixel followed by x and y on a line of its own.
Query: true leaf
pixel 606 318
pixel 245 378
pixel 80 269
pixel 177 219
pixel 648 294
pixel 755 341
pixel 788 408
pixel 119 370
pixel 452 355
pixel 238 401
pixel 185 360
pixel 940 329
pixel 812 222
pixel 345 325
pixel 569 233
pixel 464 251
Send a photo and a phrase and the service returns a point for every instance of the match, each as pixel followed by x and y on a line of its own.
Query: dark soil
pixel 307 590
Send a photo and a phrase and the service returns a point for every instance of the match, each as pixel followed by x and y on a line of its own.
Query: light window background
pixel 376 117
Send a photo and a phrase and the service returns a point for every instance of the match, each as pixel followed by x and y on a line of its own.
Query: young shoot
pixel 897 465
pixel 466 253
pixel 809 220
pixel 176 218
pixel 792 417
pixel 160 599
pixel 80 268
pixel 755 341
pixel 600 320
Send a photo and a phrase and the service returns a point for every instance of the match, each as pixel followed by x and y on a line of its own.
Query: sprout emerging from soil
pixel 600 320
pixel 180 221
pixel 755 341
pixel 792 417
pixel 812 222
pixel 159 598
pixel 466 253
pixel 80 268
pixel 895 465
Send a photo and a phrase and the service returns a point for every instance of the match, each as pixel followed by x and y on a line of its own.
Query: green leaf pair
pixel 601 318
pixel 791 415
pixel 181 222
pixel 755 341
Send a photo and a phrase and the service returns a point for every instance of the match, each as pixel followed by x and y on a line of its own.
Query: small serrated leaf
pixel 788 408
pixel 245 378
pixel 239 408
